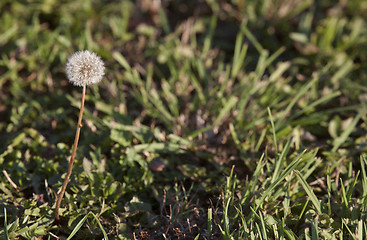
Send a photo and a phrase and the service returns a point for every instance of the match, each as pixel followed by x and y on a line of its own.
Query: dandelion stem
pixel 76 140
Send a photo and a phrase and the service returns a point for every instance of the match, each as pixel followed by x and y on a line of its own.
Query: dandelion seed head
pixel 84 67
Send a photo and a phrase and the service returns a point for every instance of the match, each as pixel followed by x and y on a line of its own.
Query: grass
pixel 216 120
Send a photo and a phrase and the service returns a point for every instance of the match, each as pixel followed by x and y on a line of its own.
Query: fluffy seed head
pixel 84 67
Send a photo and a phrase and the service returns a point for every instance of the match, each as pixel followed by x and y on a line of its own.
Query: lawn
pixel 236 119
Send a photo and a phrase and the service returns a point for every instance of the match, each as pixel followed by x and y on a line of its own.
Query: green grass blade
pixel 239 55
pixel 250 188
pixel 315 230
pixel 258 231
pixel 237 52
pixel 164 21
pixel 281 160
pixel 343 137
pixel 309 191
pixel 243 233
pixel 198 88
pixel 286 171
pixel 328 181
pixel 100 226
pixel 344 195
pixel 80 224
pixel 77 227
pixel 158 103
pixel 287 201
pixel 342 72
pixel 195 133
pixel 159 147
pixel 307 234
pixel 121 60
pixel 300 93
pixel 225 110
pixel 171 98
pixel 279 71
pixel 5 36
pixel 6 225
pixel 234 136
pixel 282 67
pixel 210 221
pixel 359 230
pixel 364 175
pixel 261 66
pixel 263 227
pixel 226 221
pixel 252 38
pixel 274 132
pixel 351 187
pixel 322 100
pixel 311 166
pixel 348 229
pixel 209 37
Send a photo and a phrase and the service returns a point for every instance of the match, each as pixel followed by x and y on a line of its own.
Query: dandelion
pixel 83 68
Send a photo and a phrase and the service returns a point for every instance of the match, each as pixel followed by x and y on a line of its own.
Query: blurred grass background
pixel 216 119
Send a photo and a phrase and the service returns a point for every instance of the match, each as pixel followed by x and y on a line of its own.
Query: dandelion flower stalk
pixel 83 68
